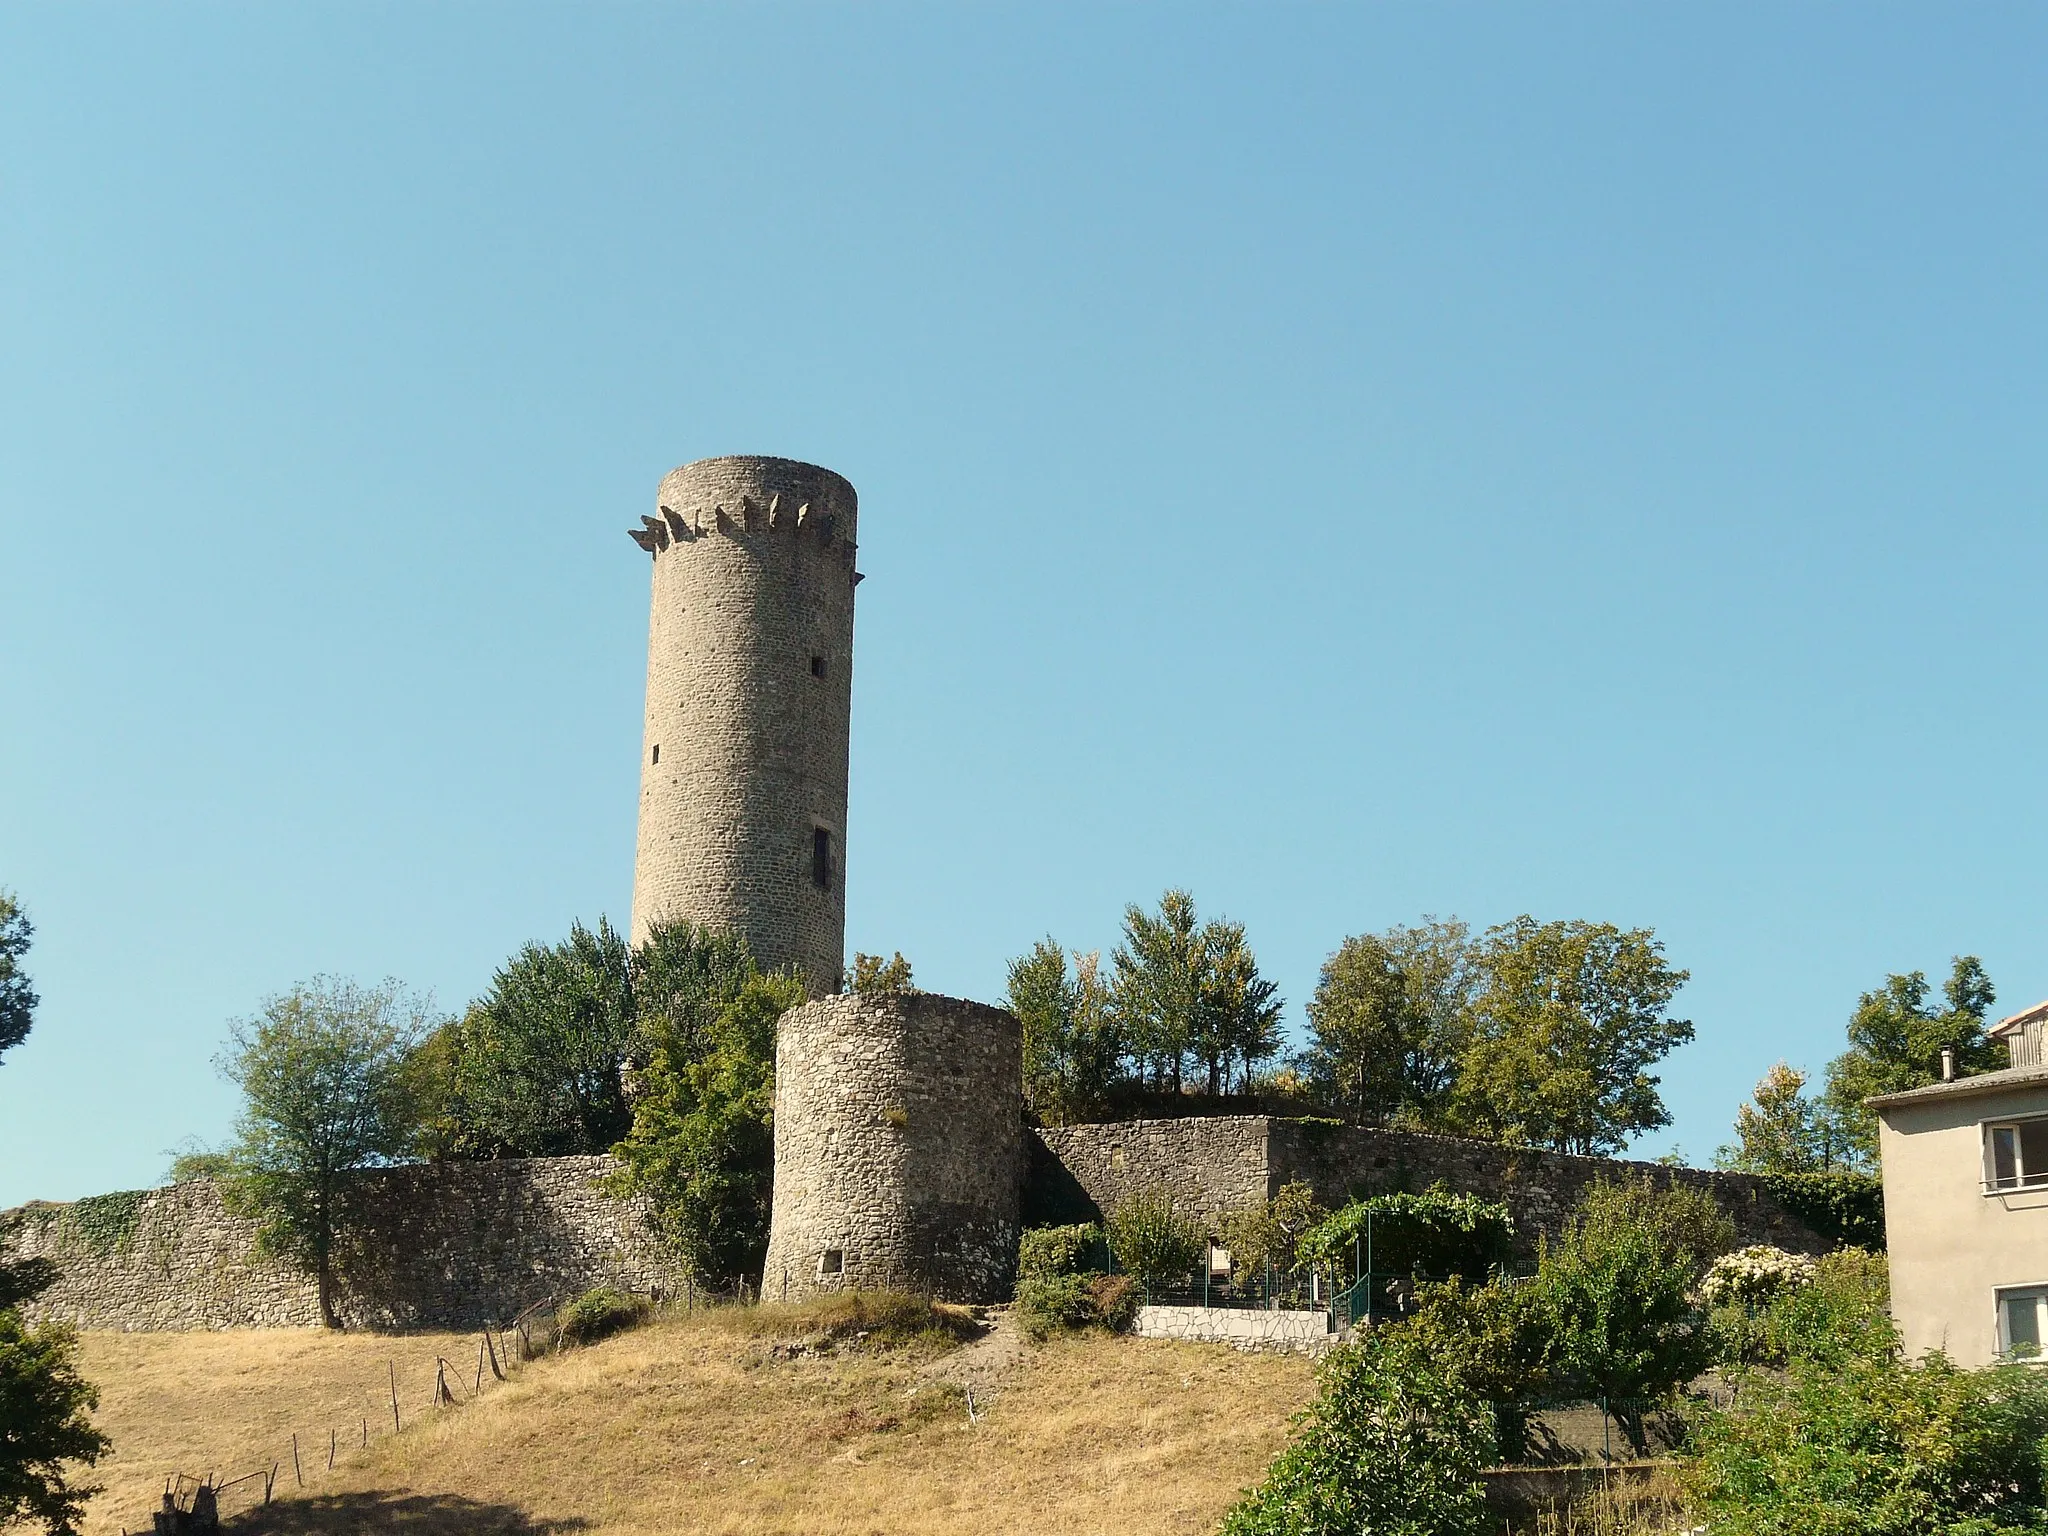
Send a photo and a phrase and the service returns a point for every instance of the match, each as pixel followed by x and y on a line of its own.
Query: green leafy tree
pixel 1780 1130
pixel 17 997
pixel 1392 1446
pixel 1187 992
pixel 1391 1020
pixel 1270 1232
pixel 885 978
pixel 45 1411
pixel 1616 1292
pixel 1152 1241
pixel 1896 1037
pixel 543 1056
pixel 325 1095
pixel 1072 1051
pixel 1570 1019
pixel 702 1144
pixel 684 977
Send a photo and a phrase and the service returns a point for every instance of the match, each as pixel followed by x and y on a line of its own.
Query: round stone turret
pixel 749 699
pixel 899 1148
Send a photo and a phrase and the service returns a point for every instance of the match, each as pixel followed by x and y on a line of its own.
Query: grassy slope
pixel 692 1425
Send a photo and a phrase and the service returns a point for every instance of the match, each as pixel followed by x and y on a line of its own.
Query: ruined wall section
pixel 749 705
pixel 444 1245
pixel 899 1148
pixel 1219 1163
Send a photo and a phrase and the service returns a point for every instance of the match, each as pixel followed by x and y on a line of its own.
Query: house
pixel 1966 1204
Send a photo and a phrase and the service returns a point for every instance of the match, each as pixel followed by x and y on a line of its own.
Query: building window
pixel 2016 1155
pixel 817 666
pixel 821 858
pixel 2022 1323
pixel 832 1262
pixel 657 752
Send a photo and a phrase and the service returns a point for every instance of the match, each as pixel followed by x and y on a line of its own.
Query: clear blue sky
pixel 1356 462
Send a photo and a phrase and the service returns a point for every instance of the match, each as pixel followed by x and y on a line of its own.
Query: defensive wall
pixel 440 1245
pixel 449 1245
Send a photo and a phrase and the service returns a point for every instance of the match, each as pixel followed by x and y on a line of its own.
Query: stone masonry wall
pixel 749 700
pixel 445 1245
pixel 1219 1163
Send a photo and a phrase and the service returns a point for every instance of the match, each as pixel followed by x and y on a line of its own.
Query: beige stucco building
pixel 1966 1205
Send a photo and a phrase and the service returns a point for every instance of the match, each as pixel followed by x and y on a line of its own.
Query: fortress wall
pixel 444 1245
pixel 1215 1164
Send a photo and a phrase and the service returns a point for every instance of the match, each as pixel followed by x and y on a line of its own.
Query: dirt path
pixel 985 1365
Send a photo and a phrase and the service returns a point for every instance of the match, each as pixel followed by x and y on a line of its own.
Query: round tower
pixel 749 699
pixel 899 1148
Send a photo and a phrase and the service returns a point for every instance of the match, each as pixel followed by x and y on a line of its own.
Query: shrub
pixel 1843 1205
pixel 598 1314
pixel 1436 1233
pixel 1045 1253
pixel 1152 1241
pixel 1842 1313
pixel 1271 1231
pixel 1874 1447
pixel 1048 1304
pixel 1502 1337
pixel 1754 1276
pixel 1393 1445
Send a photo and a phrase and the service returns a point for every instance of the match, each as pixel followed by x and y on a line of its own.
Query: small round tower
pixel 749 701
pixel 899 1148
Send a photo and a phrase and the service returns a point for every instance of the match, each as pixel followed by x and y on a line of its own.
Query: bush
pixel 1843 1313
pixel 598 1314
pixel 1046 1253
pixel 1269 1232
pixel 1874 1447
pixel 1152 1241
pixel 1393 1445
pixel 1436 1233
pixel 1843 1206
pixel 1048 1304
pixel 1501 1336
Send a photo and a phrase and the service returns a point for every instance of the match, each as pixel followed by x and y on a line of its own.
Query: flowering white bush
pixel 1754 1275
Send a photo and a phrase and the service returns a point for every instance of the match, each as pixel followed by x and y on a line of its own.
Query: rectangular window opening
pixel 2017 1155
pixel 832 1262
pixel 2022 1323
pixel 657 752
pixel 817 666
pixel 821 858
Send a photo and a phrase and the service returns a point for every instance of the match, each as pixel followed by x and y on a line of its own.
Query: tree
pixel 44 1411
pixel 702 1144
pixel 325 1095
pixel 1151 1240
pixel 1391 1019
pixel 17 998
pixel 543 1056
pixel 1896 1038
pixel 872 975
pixel 1184 991
pixel 1570 1017
pixel 1780 1130
pixel 1072 1051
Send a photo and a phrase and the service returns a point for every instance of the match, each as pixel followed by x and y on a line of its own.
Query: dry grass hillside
pixel 709 1423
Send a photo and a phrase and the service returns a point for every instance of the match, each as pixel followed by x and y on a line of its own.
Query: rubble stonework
pixel 899 1147
pixel 749 698
pixel 439 1245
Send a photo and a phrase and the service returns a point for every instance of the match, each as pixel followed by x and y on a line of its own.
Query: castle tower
pixel 749 698
pixel 899 1148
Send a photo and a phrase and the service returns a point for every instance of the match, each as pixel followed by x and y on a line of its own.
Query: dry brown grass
pixel 700 1424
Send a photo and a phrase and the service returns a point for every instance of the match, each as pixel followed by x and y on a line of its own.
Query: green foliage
pixel 1570 1019
pixel 1072 1051
pixel 598 1314
pixel 1844 1205
pixel 1780 1130
pixel 1050 1253
pixel 541 1057
pixel 1501 1332
pixel 1896 1037
pixel 1843 1313
pixel 1391 1019
pixel 701 1148
pixel 17 997
pixel 103 1224
pixel 1152 1241
pixel 874 976
pixel 1048 1303
pixel 1270 1232
pixel 1615 1292
pixel 1186 992
pixel 325 1093
pixel 45 1417
pixel 1870 1446
pixel 1435 1233
pixel 194 1162
pixel 1392 1446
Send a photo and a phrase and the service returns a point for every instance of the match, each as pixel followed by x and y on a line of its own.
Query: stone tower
pixel 749 697
pixel 899 1148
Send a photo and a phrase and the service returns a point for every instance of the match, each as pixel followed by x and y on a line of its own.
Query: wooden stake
pixel 330 1449
pixel 297 1475
pixel 393 1364
pixel 496 1369
pixel 478 1389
